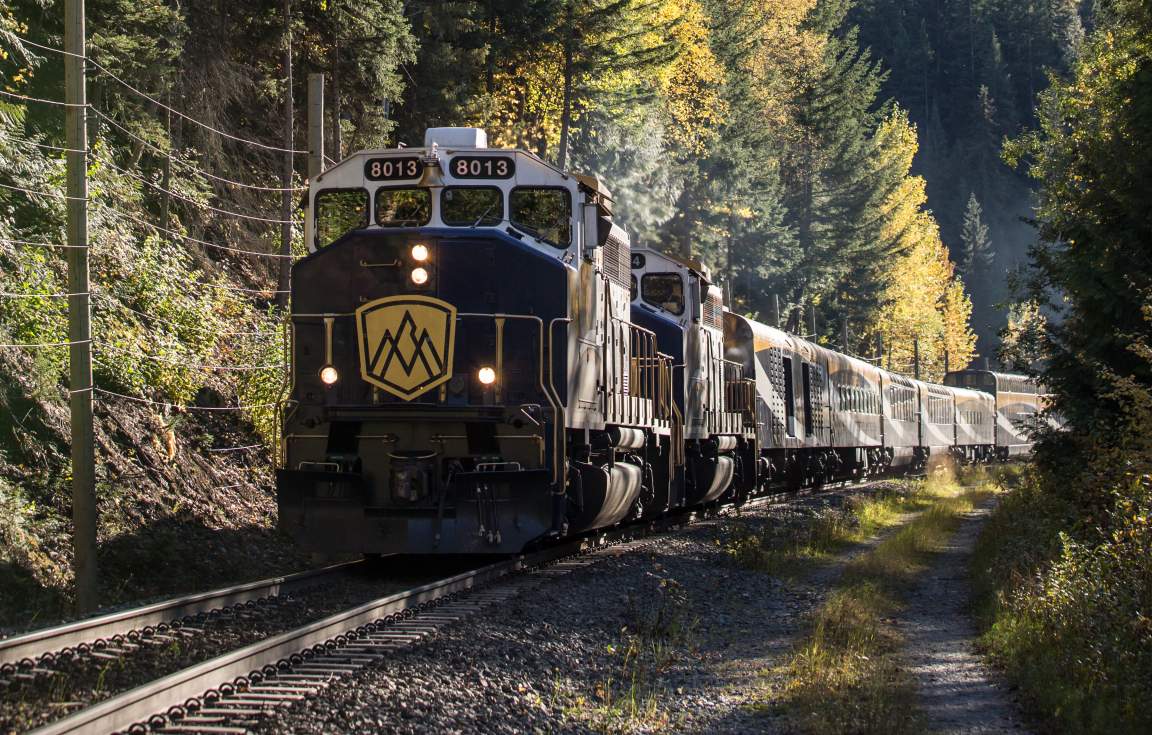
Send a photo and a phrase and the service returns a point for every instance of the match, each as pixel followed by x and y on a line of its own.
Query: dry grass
pixel 794 547
pixel 846 677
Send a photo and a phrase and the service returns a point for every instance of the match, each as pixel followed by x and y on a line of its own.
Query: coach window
pixel 339 211
pixel 403 207
pixel 472 206
pixel 545 213
pixel 665 290
pixel 633 289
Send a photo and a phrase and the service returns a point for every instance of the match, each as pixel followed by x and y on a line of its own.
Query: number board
pixel 638 261
pixel 482 167
pixel 393 169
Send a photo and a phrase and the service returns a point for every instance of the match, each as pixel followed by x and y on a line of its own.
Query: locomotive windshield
pixel 403 207
pixel 544 212
pixel 665 290
pixel 471 206
pixel 339 211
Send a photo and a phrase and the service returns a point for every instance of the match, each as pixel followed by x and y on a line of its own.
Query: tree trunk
pixel 490 58
pixel 286 180
pixel 334 103
pixel 566 113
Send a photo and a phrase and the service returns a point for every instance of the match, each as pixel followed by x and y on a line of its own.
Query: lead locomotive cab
pixel 465 376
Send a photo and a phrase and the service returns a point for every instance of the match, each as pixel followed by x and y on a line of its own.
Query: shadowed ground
pixel 957 691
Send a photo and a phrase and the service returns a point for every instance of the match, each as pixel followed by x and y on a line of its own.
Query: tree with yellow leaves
pixel 923 304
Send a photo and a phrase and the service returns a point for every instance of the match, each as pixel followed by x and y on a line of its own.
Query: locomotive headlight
pixel 487 375
pixel 419 253
pixel 329 375
pixel 419 276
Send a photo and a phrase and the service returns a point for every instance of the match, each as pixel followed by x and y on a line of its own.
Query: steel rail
pixel 36 644
pixel 138 705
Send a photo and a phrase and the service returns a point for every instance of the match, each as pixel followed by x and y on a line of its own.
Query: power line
pixel 38 192
pixel 34 243
pixel 183 162
pixel 104 70
pixel 26 98
pixel 202 205
pixel 201 366
pixel 42 47
pixel 224 450
pixel 247 407
pixel 243 290
pixel 48 344
pixel 6 295
pixel 169 322
pixel 45 146
pixel 205 243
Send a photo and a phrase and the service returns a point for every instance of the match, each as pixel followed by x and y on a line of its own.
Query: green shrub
pixel 1064 578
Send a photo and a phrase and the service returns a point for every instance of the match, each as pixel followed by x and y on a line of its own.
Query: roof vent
pixel 456 138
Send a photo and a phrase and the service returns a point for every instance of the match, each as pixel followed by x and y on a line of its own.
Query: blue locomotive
pixel 481 361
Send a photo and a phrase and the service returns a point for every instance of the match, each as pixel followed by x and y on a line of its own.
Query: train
pixel 482 362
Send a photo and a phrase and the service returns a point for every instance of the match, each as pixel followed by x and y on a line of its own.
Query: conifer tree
pixel 976 256
pixel 1091 157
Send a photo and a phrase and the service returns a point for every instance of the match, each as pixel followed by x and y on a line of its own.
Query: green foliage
pixel 1063 571
pixel 1090 157
pixel 1066 613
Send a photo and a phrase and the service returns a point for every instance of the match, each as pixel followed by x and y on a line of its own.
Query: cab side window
pixel 545 213
pixel 665 290
pixel 339 211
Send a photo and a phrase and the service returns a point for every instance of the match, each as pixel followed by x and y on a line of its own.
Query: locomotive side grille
pixel 819 400
pixel 617 261
pixel 714 312
pixel 776 393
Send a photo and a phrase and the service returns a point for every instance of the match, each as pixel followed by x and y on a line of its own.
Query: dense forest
pixel 875 173
pixel 968 73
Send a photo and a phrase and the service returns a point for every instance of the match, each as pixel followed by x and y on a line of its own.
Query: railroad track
pixel 228 693
pixel 28 655
pixel 46 674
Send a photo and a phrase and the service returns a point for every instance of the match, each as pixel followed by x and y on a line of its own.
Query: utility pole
pixel 844 335
pixel 286 179
pixel 916 357
pixel 79 311
pixel 315 125
pixel 776 308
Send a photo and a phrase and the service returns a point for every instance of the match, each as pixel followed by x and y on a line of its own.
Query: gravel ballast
pixel 673 635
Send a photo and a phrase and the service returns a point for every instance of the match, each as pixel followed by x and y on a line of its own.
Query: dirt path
pixel 958 693
pixel 734 707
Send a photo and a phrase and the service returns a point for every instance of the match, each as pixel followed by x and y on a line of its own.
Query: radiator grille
pixel 617 261
pixel 714 312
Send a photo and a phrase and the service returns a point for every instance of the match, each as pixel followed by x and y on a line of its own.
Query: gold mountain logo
pixel 406 343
